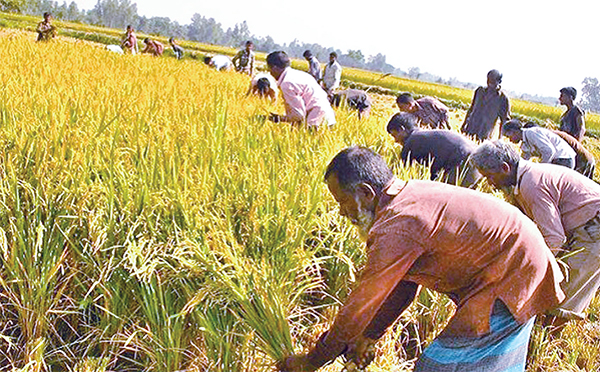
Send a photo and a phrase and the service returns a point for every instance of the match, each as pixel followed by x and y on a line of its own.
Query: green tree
pixel 590 94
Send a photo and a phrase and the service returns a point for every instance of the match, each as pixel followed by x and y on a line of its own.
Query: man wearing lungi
pixel 488 257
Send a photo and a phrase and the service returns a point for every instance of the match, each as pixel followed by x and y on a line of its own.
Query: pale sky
pixel 539 46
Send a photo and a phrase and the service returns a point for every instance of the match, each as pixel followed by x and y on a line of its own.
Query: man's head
pixel 498 162
pixel 249 45
pixel 513 129
pixel 47 16
pixel 146 40
pixel 494 79
pixel 356 178
pixel 401 126
pixel 406 103
pixel 307 54
pixel 277 62
pixel 332 57
pixel 567 95
pixel 171 40
pixel 263 86
pixel 208 60
pixel 129 28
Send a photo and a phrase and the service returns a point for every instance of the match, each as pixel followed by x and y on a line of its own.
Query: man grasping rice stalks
pixel 483 253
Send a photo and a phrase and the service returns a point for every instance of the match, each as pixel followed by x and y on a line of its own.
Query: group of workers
pixel 496 261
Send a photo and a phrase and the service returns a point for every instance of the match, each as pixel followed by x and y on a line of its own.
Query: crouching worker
pixel 483 253
pixel 447 151
pixel 355 99
pixel 566 207
pixel 263 85
pixel 45 29
pixel 305 101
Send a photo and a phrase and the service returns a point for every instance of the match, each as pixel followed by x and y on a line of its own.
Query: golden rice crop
pixel 152 220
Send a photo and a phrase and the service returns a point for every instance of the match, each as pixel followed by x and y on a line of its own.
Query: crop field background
pixel 151 219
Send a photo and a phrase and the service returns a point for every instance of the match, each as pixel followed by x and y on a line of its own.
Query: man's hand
pixel 274 118
pixel 295 363
pixel 360 354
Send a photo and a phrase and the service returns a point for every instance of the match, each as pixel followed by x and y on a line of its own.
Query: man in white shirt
pixel 332 74
pixel 304 99
pixel 540 142
pixel 314 68
pixel 219 62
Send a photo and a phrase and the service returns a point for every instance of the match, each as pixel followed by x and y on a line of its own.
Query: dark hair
pixel 402 121
pixel 171 40
pixel 47 14
pixel 355 165
pixel 404 98
pixel 263 85
pixel 530 124
pixel 249 42
pixel 278 59
pixel 307 54
pixel 146 40
pixel 496 74
pixel 570 91
pixel 513 125
pixel 334 54
pixel 207 59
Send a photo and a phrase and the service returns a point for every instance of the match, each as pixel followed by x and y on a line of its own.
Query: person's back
pixel 447 150
pixel 545 144
pixel 432 113
pixel 355 99
pixel 304 98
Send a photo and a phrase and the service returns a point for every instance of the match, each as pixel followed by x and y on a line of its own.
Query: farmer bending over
pixel 483 253
pixel 304 99
pixel 430 111
pixel 565 205
pixel 540 142
pixel 153 47
pixel 263 85
pixel 447 150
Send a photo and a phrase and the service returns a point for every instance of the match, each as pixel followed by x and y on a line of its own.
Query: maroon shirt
pixel 469 245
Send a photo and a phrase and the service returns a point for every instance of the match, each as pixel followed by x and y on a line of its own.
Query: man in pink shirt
pixel 305 101
pixel 565 205
pixel 494 266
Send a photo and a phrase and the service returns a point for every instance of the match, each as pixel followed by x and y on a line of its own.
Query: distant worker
pixel 355 99
pixel 314 67
pixel 305 101
pixel 263 85
pixel 540 142
pixel 129 43
pixel 244 59
pixel 430 111
pixel 45 29
pixel 153 47
pixel 177 49
pixel 447 151
pixel 585 163
pixel 332 74
pixel 489 104
pixel 483 253
pixel 566 207
pixel 572 121
pixel 219 62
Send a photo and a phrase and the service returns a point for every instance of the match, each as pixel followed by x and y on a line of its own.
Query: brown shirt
pixel 583 158
pixel 467 244
pixel 432 113
pixel 557 198
pixel 488 105
pixel 573 122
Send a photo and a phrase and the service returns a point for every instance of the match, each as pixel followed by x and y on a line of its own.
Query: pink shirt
pixel 304 99
pixel 558 199
pixel 467 244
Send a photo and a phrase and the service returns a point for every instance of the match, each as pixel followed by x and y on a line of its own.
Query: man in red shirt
pixel 482 252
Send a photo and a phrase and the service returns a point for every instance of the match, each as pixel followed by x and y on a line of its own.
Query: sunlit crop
pixel 152 220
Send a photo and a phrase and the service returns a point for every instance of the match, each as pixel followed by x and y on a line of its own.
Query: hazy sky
pixel 539 46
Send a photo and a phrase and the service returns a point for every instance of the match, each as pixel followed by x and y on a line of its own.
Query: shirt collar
pixel 393 188
pixel 282 76
pixel 522 167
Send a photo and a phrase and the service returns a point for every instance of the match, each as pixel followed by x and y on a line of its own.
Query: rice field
pixel 151 220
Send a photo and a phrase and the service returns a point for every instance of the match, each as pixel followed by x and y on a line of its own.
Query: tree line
pixel 120 13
